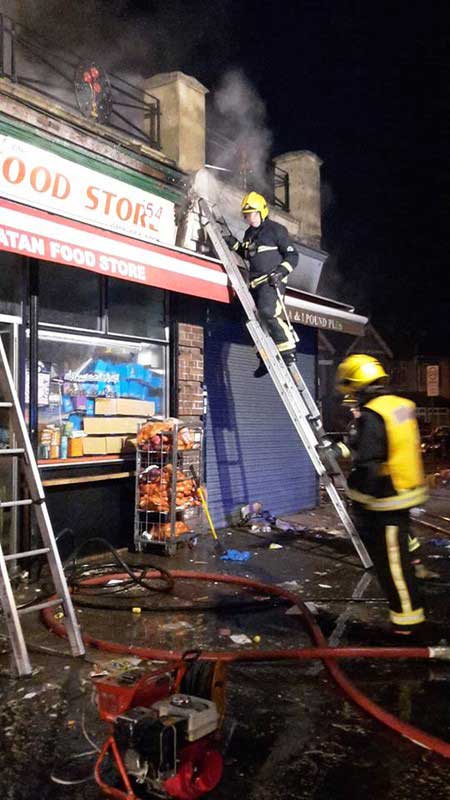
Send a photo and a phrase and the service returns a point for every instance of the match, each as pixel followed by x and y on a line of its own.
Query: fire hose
pixel 321 651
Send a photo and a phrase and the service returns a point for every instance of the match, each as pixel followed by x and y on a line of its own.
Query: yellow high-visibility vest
pixel 404 461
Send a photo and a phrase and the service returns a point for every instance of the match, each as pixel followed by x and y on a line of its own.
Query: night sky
pixel 364 85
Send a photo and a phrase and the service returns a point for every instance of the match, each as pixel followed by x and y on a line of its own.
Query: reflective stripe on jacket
pixel 266 248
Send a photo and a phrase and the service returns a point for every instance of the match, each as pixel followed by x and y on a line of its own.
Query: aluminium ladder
pixel 291 387
pixel 22 449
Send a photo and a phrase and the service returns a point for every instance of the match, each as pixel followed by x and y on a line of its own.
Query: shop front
pixel 87 269
pixel 112 323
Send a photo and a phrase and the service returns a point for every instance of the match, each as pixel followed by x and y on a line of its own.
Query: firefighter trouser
pixel 386 536
pixel 271 313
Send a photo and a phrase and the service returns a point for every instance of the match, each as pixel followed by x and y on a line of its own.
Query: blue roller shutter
pixel 252 450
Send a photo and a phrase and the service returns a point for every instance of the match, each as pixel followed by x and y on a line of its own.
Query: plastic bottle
pixel 64 446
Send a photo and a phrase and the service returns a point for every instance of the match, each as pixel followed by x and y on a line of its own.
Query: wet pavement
pixel 291 732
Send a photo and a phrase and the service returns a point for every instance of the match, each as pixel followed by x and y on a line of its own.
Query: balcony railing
pixel 77 84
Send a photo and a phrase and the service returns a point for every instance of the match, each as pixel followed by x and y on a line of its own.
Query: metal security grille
pixel 252 452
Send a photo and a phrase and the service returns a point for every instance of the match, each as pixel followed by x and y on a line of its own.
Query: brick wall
pixel 190 371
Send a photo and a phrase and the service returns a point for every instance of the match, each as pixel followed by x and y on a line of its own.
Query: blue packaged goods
pixel 67 404
pixel 90 406
pixel 76 421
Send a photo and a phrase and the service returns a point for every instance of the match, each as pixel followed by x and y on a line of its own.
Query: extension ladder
pixel 291 387
pixel 22 449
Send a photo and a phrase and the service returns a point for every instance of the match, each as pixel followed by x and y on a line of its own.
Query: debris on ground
pixel 236 555
pixel 176 626
pixel 291 586
pixel 240 638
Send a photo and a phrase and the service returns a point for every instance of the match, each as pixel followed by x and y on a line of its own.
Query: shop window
pixel 68 296
pixel 11 274
pixel 93 394
pixel 136 310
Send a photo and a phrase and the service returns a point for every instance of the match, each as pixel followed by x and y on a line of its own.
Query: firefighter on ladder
pixel 271 258
pixel 385 482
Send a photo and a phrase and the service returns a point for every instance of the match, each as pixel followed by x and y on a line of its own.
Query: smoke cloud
pixel 240 139
pixel 92 28
pixel 187 35
pixel 53 44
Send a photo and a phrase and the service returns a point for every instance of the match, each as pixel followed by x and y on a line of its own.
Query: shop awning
pixel 39 234
pixel 315 312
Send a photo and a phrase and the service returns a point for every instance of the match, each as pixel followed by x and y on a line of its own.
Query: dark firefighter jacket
pixel 387 473
pixel 266 248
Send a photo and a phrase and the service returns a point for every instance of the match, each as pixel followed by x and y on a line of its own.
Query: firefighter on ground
pixel 385 482
pixel 350 439
pixel 271 258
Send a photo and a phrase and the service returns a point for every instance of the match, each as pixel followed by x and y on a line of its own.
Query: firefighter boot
pixel 261 369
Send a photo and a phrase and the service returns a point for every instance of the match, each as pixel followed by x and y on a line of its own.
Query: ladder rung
pixel 13 503
pixel 21 447
pixel 288 381
pixel 26 554
pixel 39 606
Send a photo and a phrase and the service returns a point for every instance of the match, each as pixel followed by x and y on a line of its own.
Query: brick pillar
pixel 190 372
pixel 303 169
pixel 182 100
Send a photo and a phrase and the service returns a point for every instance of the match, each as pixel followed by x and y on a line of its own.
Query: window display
pixel 94 393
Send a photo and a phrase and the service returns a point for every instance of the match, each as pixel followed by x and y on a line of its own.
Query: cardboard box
pixel 103 445
pixel 114 406
pixel 75 447
pixel 112 425
pixel 94 445
pixel 114 444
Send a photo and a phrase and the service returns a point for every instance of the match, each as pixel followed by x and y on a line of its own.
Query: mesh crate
pixel 167 510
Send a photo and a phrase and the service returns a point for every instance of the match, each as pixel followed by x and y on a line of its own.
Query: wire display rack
pixel 167 508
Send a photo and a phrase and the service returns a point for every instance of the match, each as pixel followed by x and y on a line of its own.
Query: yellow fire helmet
pixel 358 371
pixel 254 202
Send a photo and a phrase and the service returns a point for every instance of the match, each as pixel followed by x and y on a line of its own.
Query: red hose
pixel 327 654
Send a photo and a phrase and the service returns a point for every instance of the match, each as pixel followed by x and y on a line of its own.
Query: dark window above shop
pixel 73 298
pixel 69 296
pixel 10 283
pixel 135 310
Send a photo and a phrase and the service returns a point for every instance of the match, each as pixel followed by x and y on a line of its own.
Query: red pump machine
pixel 164 736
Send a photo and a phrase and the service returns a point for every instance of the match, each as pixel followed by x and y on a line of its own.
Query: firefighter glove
pixel 341 450
pixel 226 233
pixel 334 449
pixel 230 240
pixel 276 277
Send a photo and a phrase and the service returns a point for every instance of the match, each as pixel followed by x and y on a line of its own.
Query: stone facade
pixel 303 169
pixel 182 101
